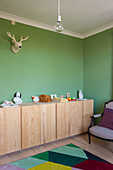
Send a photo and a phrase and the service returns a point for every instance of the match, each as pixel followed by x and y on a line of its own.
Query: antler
pixel 13 37
pixel 23 39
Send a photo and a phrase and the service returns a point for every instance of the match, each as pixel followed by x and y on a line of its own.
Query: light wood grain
pixel 30 126
pixel 75 117
pixel 87 112
pixel 10 130
pixel 10 123
pixel 69 119
pixel 62 121
pixel 48 123
pixel 42 123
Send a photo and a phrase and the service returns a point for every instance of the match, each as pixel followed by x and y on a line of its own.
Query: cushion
pixel 107 119
pixel 102 132
pixel 109 105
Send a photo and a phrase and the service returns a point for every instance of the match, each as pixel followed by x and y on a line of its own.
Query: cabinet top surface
pixel 55 102
pixel 43 103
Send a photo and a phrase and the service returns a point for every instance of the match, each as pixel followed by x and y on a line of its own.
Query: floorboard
pixel 98 147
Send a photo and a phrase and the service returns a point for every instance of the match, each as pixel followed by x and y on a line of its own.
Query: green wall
pixel 47 63
pixel 50 62
pixel 98 68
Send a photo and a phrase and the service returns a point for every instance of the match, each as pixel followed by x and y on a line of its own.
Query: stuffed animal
pixel 44 98
pixel 17 98
pixel 35 98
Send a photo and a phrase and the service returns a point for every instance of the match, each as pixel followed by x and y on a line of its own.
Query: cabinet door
pixel 48 122
pixel 62 120
pixel 10 130
pixel 75 117
pixel 87 112
pixel 30 126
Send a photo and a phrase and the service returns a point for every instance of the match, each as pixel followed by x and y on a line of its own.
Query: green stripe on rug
pixel 27 163
pixel 72 145
pixel 64 159
pixel 72 151
pixel 43 156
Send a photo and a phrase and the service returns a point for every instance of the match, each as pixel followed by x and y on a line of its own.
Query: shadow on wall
pixel 100 108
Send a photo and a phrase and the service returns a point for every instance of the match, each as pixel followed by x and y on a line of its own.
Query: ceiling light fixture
pixel 59 25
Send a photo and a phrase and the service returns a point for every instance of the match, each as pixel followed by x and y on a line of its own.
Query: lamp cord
pixel 58 7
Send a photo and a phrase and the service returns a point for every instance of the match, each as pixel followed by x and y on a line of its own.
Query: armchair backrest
pixel 109 104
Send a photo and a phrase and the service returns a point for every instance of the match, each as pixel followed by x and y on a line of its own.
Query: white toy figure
pixel 17 98
pixel 80 95
pixel 35 98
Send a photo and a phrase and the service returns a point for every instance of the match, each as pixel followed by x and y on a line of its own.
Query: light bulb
pixel 59 25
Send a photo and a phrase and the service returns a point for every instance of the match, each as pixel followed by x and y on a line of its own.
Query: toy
pixel 80 95
pixel 7 104
pixel 61 96
pixel 53 95
pixel 17 98
pixel 45 98
pixel 35 98
pixel 71 99
pixel 68 95
pixel 59 99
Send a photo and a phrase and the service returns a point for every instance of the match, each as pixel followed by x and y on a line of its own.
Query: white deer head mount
pixel 17 45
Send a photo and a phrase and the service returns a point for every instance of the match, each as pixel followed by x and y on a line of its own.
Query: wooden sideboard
pixel 69 119
pixel 10 130
pixel 33 124
pixel 38 124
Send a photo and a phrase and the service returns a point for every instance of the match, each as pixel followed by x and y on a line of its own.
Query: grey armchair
pixel 99 131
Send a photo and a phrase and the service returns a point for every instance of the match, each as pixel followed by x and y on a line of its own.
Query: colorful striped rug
pixel 68 157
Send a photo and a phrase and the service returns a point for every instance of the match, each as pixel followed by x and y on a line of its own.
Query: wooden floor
pixel 98 147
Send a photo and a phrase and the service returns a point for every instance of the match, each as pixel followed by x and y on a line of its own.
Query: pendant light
pixel 59 26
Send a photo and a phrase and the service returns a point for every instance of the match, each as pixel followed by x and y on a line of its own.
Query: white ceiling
pixel 80 17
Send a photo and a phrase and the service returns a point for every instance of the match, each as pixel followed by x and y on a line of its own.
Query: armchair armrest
pixel 92 120
pixel 96 116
